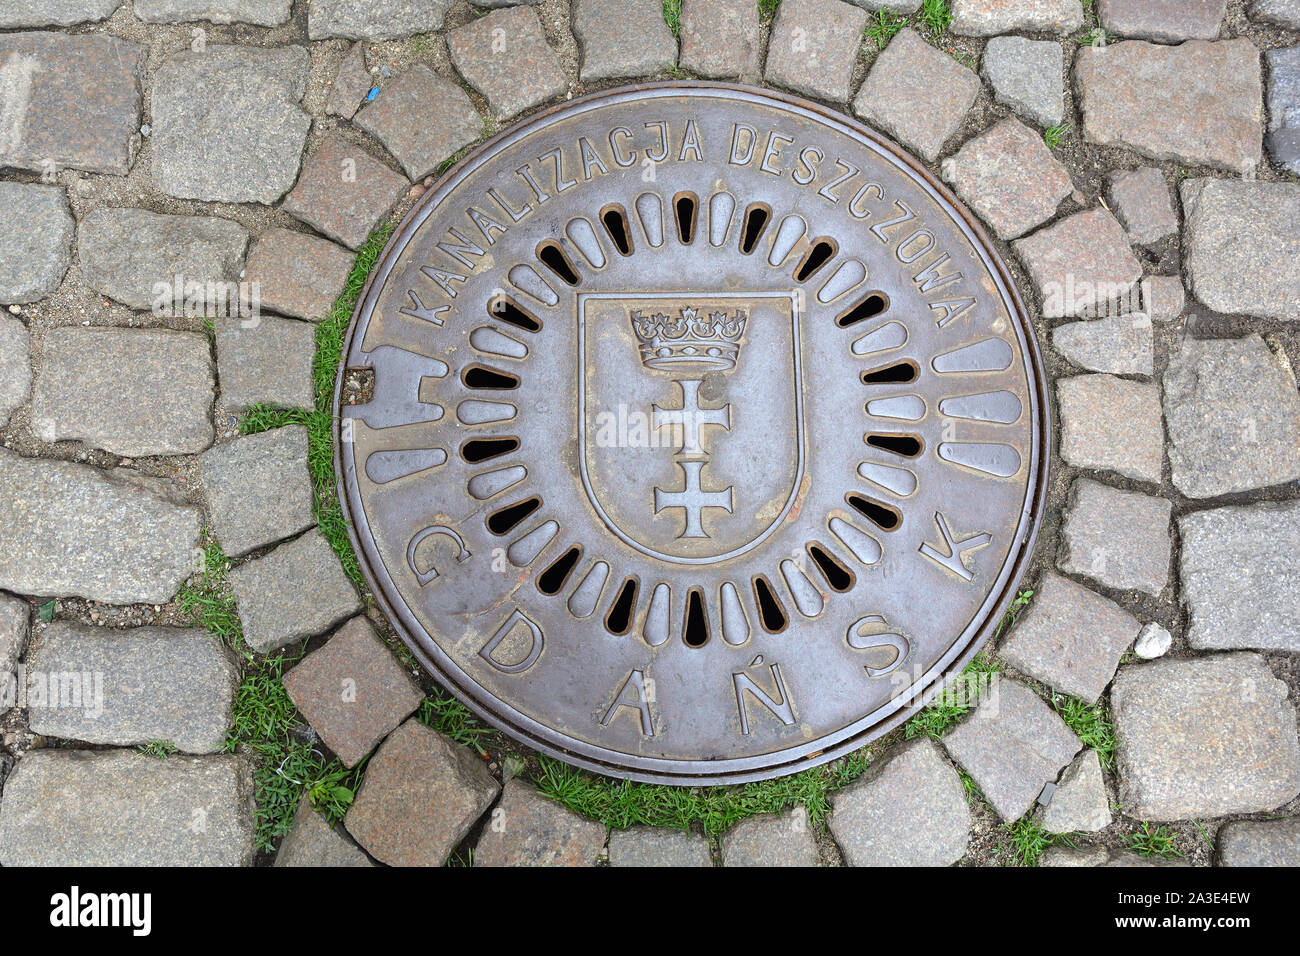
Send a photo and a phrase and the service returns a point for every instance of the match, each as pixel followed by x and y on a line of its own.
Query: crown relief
pixel 690 339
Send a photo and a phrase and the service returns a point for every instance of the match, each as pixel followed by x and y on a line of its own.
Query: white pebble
pixel 1152 642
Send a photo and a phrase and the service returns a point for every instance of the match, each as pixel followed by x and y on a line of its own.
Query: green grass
pixel 1054 135
pixel 954 702
pixel 883 27
pixel 767 8
pixel 1152 841
pixel 1091 723
pixel 621 804
pixel 1094 37
pixel 206 596
pixel 973 792
pixel 319 421
pixel 673 16
pixel 159 749
pixel 934 17
pixel 267 724
pixel 453 719
pixel 1026 841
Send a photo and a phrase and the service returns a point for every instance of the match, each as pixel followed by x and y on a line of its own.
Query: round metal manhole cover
pixel 707 433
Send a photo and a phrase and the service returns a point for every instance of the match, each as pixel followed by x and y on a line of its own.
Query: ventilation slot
pixel 909 446
pixel 884 517
pixel 696 630
pixel 837 575
pixel 552 579
pixel 822 252
pixel 685 206
pixel 553 258
pixel 770 612
pixel 757 217
pixel 509 311
pixel 896 374
pixel 481 449
pixel 615 220
pixel 619 618
pixel 480 376
pixel 873 303
pixel 501 521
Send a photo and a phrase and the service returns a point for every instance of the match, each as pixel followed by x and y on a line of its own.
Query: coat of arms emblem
pixel 673 465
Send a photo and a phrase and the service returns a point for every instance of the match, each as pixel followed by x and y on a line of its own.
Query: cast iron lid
pixel 707 435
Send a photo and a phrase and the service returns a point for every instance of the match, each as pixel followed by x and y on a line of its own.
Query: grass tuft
pixel 206 596
pixel 883 27
pixel 1091 723
pixel 158 749
pixel 622 804
pixel 1026 841
pixel 288 764
pixel 767 8
pixel 1053 136
pixel 954 701
pixel 673 16
pixel 934 17
pixel 451 718
pixel 1152 841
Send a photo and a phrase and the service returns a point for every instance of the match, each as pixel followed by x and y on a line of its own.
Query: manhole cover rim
pixel 501 714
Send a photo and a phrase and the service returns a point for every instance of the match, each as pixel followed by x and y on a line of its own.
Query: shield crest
pixel 675 462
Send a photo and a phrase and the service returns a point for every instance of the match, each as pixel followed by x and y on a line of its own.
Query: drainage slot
pixel 480 376
pixel 553 258
pixel 873 303
pixel 615 220
pixel 770 612
pixel 696 631
pixel 884 517
pixel 757 217
pixel 837 575
pixel 509 311
pixel 619 618
pixel 685 206
pixel 822 252
pixel 909 446
pixel 502 520
pixel 481 449
pixel 552 579
pixel 898 373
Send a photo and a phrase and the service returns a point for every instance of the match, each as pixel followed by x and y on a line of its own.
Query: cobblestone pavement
pixel 166 517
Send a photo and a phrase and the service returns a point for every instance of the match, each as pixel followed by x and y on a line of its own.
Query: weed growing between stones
pixel 767 9
pixel 621 803
pixel 266 725
pixel 934 16
pixel 958 698
pixel 451 718
pixel 159 749
pixel 883 27
pixel 1027 841
pixel 1091 723
pixel 1152 841
pixel 673 16
pixel 954 702
pixel 319 421
pixel 1054 135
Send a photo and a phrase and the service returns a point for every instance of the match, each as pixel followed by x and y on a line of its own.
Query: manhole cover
pixel 707 434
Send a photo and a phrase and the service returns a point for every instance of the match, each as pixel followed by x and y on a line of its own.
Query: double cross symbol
pixel 691 418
